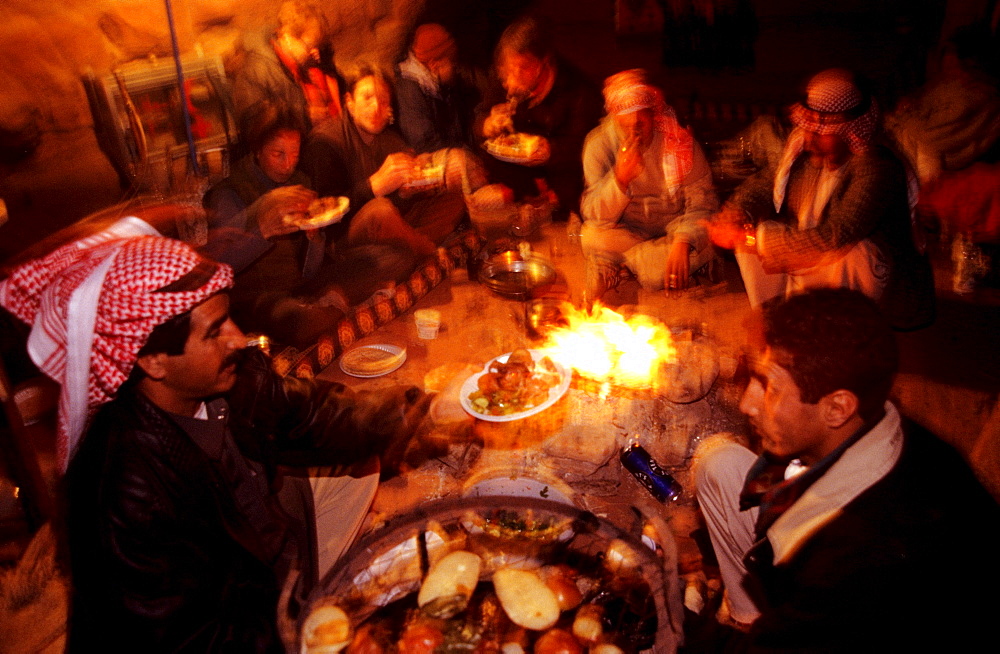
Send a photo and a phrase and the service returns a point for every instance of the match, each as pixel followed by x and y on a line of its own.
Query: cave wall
pixel 51 168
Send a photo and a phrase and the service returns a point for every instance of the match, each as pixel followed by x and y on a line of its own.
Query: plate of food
pixel 514 386
pixel 426 174
pixel 322 212
pixel 519 148
pixel 372 360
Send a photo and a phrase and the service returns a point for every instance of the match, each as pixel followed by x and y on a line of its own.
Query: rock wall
pixel 52 171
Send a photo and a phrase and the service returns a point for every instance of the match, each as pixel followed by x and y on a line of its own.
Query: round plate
pixel 323 212
pixel 512 154
pixel 517 487
pixel 472 384
pixel 372 360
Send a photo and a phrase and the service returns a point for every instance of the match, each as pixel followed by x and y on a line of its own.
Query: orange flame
pixel 604 345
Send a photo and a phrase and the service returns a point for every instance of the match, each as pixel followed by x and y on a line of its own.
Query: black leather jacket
pixel 161 558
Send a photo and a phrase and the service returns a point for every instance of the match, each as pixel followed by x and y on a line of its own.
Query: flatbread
pixel 323 212
pixel 372 360
pixel 518 148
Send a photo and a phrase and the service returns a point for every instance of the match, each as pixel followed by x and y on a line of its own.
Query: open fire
pixel 604 346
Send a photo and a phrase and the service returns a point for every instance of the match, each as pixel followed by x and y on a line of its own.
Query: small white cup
pixel 428 322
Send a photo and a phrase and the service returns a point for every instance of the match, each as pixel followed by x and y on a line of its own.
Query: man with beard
pixel 178 537
pixel 539 93
pixel 834 212
pixel 852 531
pixel 649 192
pixel 362 156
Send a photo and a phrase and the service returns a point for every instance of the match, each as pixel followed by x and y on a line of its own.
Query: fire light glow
pixel 605 346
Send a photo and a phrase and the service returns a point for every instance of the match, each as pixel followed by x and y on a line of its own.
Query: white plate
pixel 334 211
pixel 357 362
pixel 517 487
pixel 509 154
pixel 471 385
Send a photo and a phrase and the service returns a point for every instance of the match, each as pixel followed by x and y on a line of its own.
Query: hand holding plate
pixel 392 174
pixel 270 210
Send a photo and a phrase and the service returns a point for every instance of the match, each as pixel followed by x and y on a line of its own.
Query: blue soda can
pixel 648 472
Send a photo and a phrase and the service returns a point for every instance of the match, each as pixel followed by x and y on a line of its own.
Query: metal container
pixel 516 277
pixel 648 472
pixel 543 315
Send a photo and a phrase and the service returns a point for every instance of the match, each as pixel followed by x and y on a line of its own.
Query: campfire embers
pixel 610 351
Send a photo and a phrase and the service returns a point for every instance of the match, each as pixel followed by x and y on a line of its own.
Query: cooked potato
pixel 588 624
pixel 327 630
pixel 454 576
pixel 606 648
pixel 525 598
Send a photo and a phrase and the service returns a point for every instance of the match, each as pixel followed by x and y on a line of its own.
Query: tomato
pixel 420 638
pixel 366 641
pixel 557 641
pixel 560 579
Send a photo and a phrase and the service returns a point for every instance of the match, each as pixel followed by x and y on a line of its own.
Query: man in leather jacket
pixel 852 530
pixel 178 527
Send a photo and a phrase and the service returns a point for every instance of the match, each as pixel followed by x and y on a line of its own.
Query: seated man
pixel 176 536
pixel 363 157
pixel 288 283
pixel 538 92
pixel 291 65
pixel 834 212
pixel 649 192
pixel 849 533
pixel 435 101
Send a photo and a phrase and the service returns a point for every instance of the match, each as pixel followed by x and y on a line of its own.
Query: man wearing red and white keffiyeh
pixel 834 212
pixel 180 528
pixel 93 304
pixel 648 192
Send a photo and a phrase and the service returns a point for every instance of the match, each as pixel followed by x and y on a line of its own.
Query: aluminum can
pixel 648 472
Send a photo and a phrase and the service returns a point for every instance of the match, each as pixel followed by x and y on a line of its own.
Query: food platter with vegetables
pixel 553 579
pixel 514 386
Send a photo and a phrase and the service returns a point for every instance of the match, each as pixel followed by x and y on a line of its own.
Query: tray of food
pixel 519 148
pixel 493 574
pixel 514 386
pixel 322 212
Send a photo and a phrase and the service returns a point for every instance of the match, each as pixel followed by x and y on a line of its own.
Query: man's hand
pixel 726 228
pixel 395 412
pixel 677 274
pixel 394 172
pixel 500 121
pixel 628 162
pixel 270 209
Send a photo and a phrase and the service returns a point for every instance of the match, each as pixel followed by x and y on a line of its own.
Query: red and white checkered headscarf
pixel 92 305
pixel 834 105
pixel 629 91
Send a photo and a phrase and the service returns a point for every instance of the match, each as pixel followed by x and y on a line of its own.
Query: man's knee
pixel 721 460
pixel 372 219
